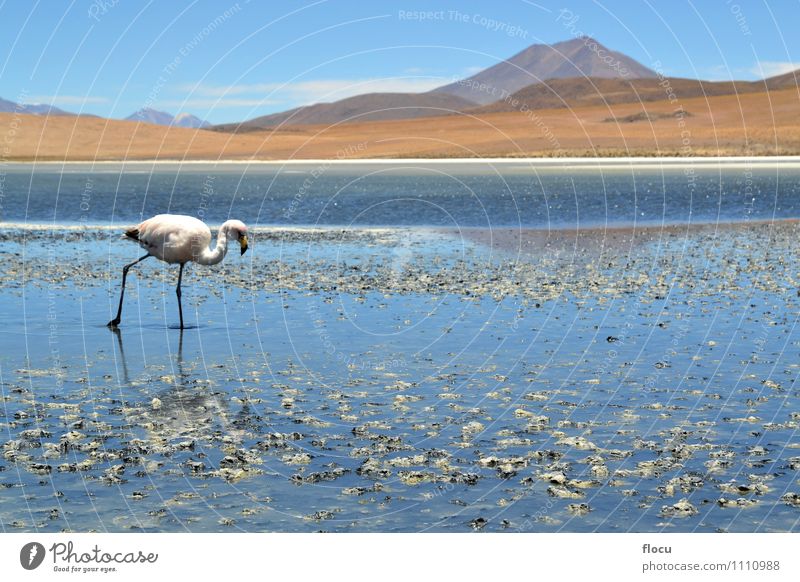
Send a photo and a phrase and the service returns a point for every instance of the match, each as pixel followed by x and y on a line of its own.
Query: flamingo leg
pixel 178 293
pixel 115 322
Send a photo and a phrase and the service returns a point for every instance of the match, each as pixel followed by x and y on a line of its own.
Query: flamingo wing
pixel 173 238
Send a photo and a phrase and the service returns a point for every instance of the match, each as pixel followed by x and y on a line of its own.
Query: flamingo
pixel 175 238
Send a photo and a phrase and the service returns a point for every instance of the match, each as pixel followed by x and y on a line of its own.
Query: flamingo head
pixel 237 229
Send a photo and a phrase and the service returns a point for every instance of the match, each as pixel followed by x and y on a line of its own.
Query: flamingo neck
pixel 212 257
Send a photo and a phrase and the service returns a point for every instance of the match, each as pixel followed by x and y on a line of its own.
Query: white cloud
pixel 717 73
pixel 469 71
pixel 225 91
pixel 73 100
pixel 309 92
pixel 214 102
pixel 764 69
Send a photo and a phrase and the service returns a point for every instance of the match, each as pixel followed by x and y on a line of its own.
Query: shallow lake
pixel 405 351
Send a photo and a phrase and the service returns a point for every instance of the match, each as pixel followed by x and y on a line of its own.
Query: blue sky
pixel 234 60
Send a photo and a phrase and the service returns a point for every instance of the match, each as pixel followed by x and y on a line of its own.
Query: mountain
pixel 589 91
pixel 148 115
pixel 368 107
pixel 573 58
pixel 573 73
pixel 579 57
pixel 30 108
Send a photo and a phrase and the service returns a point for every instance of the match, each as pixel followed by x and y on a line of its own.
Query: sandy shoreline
pixel 566 162
pixel 472 232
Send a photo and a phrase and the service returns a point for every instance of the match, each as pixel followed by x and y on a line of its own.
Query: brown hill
pixel 585 91
pixel 790 80
pixel 579 57
pixel 369 107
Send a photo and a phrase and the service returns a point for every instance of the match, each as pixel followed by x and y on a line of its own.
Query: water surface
pixel 432 376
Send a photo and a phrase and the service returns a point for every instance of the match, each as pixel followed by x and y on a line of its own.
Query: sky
pixel 229 61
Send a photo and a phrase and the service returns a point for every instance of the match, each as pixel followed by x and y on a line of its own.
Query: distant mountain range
pixel 577 58
pixel 148 115
pixel 573 73
pixel 30 108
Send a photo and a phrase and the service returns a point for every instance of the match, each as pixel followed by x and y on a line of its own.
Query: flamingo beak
pixel 243 243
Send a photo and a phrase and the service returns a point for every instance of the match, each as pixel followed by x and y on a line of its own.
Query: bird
pixel 178 239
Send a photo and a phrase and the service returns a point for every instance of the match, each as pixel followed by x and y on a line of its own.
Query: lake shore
pixel 621 162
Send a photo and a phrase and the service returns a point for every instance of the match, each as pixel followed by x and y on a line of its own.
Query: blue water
pixel 417 195
pixel 363 380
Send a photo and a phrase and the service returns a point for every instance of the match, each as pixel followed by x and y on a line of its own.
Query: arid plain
pixel 765 123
